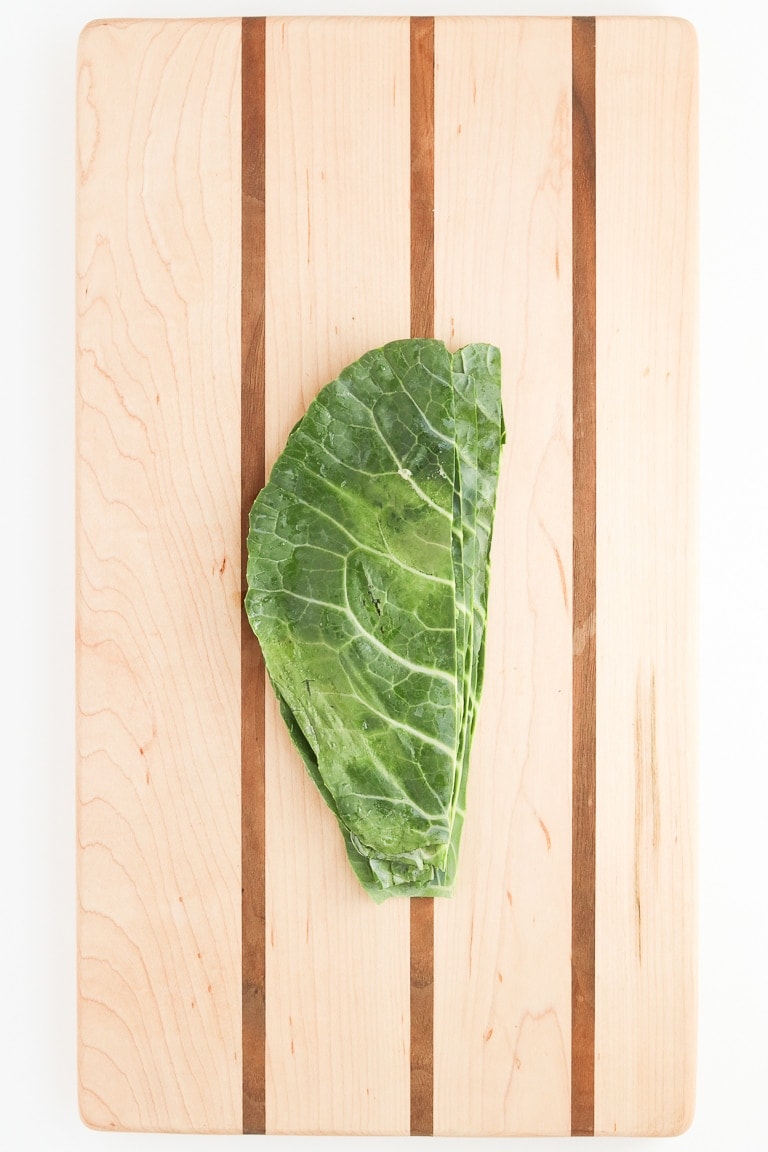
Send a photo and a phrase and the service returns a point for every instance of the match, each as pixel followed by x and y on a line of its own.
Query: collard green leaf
pixel 367 588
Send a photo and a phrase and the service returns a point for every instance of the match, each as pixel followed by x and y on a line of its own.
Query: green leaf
pixel 367 588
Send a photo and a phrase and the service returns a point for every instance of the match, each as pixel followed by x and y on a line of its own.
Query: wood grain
pixel 252 477
pixel 158 578
pixel 646 601
pixel 584 586
pixel 338 283
pixel 503 274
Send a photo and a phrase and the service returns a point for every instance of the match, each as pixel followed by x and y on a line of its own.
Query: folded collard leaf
pixel 368 560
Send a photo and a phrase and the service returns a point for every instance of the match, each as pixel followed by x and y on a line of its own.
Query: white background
pixel 37 941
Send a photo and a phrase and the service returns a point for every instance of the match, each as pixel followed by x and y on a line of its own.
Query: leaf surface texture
pixel 368 564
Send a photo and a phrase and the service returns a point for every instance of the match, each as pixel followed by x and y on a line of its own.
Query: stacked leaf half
pixel 368 565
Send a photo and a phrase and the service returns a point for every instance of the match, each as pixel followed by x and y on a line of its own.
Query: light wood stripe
pixel 158 586
pixel 252 665
pixel 584 588
pixel 503 210
pixel 645 1011
pixel 422 915
pixel 338 281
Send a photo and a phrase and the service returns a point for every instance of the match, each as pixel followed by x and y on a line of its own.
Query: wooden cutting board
pixel 260 202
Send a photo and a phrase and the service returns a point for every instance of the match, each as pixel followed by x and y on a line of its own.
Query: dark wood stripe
pixel 423 326
pixel 584 456
pixel 422 1014
pixel 251 664
pixel 422 177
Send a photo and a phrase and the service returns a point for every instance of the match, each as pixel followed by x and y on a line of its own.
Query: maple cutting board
pixel 260 202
